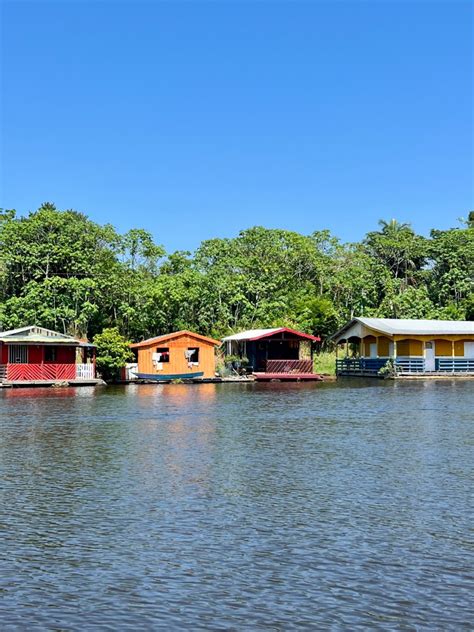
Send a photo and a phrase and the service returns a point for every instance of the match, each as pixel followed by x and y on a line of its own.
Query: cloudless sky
pixel 199 119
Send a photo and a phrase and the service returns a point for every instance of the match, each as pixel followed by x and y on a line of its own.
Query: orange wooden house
pixel 179 355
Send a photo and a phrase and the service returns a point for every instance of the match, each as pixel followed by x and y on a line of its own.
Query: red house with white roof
pixel 36 354
pixel 277 353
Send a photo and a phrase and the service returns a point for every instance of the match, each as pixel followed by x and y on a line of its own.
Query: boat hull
pixel 153 377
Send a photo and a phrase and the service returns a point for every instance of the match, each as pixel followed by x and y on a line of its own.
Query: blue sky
pixel 196 120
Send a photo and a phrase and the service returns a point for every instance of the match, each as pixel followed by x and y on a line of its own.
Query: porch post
pixel 452 356
pixel 347 348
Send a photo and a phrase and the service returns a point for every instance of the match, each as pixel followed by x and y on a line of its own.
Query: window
pixel 50 354
pixel 192 355
pixel 162 354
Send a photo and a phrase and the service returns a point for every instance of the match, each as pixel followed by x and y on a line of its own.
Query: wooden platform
pixel 360 374
pixel 55 383
pixel 433 375
pixel 420 375
pixel 288 377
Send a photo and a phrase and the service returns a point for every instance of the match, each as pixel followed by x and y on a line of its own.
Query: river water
pixel 335 506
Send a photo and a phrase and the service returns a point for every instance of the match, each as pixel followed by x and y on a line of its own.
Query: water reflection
pixel 265 506
pixel 38 393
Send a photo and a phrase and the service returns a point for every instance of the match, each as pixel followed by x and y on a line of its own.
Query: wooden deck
pixel 288 377
pixel 56 383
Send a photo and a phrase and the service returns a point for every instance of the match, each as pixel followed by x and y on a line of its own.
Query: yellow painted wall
pixel 178 362
pixel 415 346
pixel 383 346
pixel 443 347
pixel 409 347
pixel 459 348
pixel 368 340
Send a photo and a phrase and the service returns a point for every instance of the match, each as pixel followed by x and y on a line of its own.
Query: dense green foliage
pixel 63 271
pixel 113 353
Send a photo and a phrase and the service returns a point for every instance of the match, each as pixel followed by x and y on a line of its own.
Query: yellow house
pixel 416 346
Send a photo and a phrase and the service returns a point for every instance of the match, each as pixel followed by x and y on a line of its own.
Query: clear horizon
pixel 199 120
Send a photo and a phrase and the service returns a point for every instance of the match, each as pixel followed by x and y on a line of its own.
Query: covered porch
pixel 36 355
pixel 364 351
pixel 279 353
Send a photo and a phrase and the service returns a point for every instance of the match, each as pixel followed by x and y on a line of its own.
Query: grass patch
pixel 325 362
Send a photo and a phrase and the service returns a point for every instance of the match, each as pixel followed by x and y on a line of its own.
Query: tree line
pixel 60 270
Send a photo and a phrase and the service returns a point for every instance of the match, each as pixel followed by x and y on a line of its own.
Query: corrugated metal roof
pixel 34 334
pixel 251 333
pixel 49 340
pixel 407 326
pixel 12 332
pixel 256 334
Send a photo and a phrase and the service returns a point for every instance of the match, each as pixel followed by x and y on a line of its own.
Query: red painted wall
pixel 66 355
pixel 35 354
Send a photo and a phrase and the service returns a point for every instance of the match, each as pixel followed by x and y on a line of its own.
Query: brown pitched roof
pixel 175 334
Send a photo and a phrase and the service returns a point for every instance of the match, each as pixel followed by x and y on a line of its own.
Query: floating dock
pixel 288 377
pixel 52 383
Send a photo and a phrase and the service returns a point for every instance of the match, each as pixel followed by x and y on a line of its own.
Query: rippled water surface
pixel 340 506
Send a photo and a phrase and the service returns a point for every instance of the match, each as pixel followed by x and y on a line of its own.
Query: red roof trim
pixel 289 331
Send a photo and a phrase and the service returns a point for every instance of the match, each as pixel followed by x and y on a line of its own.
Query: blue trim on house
pixel 168 377
pixel 360 365
pixel 454 365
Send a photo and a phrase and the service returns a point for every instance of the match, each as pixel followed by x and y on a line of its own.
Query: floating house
pixel 35 355
pixel 415 346
pixel 179 355
pixel 278 353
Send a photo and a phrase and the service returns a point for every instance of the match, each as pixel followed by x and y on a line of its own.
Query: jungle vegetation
pixel 60 270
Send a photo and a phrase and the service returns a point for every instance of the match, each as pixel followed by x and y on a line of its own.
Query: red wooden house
pixel 279 353
pixel 36 354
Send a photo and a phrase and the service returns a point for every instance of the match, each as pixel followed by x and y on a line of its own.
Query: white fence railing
pixel 85 371
pixel 130 371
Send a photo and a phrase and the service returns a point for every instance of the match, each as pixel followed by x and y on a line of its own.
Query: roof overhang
pixel 390 327
pixel 273 332
pixel 172 336
pixel 31 340
pixel 36 335
pixel 353 329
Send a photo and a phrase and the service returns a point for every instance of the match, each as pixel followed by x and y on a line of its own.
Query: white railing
pixel 131 370
pixel 85 371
